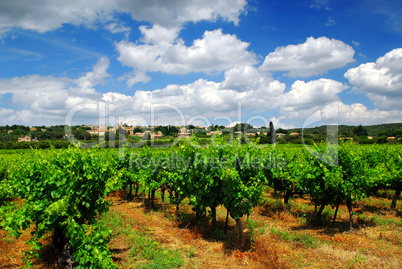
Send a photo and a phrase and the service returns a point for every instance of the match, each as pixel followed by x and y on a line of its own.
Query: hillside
pixel 387 129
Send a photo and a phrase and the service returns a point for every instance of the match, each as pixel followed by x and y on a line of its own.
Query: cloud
pixel 116 27
pixel 304 98
pixel 255 91
pixel 18 117
pixel 330 21
pixel 355 43
pixel 313 57
pixel 319 98
pixel 359 114
pixel 46 99
pixel 353 114
pixel 20 54
pixel 159 35
pixel 204 98
pixel 138 77
pixel 97 76
pixel 198 101
pixel 390 11
pixel 381 81
pixel 51 15
pixel 163 52
pixel 243 78
pixel 320 4
pixel 35 91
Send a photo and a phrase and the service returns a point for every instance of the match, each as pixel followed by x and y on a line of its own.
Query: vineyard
pixel 224 192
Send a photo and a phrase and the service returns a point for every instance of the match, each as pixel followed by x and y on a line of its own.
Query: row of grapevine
pixel 63 191
pixel 234 176
pixel 4 181
pixel 8 164
pixel 343 174
pixel 219 174
pixel 393 164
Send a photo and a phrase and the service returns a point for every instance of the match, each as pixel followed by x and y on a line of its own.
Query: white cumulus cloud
pixel 97 76
pixel 304 98
pixel 116 27
pixel 208 99
pixel 353 114
pixel 313 57
pixel 357 113
pixel 201 99
pixel 47 99
pixel 46 16
pixel 381 81
pixel 214 52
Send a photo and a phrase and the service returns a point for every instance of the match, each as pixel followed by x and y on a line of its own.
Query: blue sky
pixel 296 63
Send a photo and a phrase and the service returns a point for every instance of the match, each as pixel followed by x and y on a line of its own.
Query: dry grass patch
pixel 354 259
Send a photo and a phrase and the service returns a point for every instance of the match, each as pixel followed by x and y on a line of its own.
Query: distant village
pixel 20 133
pixel 159 131
pixel 61 135
pixel 183 131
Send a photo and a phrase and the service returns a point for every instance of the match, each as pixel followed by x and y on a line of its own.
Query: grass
pixel 219 234
pixel 304 238
pixel 144 251
pixel 252 225
pixel 115 223
pixel 191 252
pixel 285 231
pixel 150 254
pixel 9 238
pixel 379 220
pixel 358 259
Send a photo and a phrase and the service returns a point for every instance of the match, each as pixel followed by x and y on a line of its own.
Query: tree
pixel 272 132
pixel 265 139
pixel 242 127
pixel 217 127
pixel 283 131
pixel 163 129
pixel 397 133
pixel 346 134
pixel 120 134
pixel 359 130
pixel 81 134
pixel 382 139
pixel 137 129
pixel 106 136
pixel 146 136
pixel 172 130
